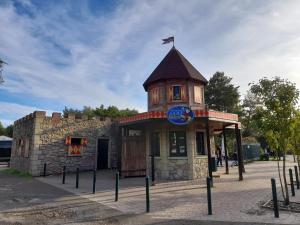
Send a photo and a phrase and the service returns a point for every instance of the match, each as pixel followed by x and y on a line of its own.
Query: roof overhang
pixel 227 118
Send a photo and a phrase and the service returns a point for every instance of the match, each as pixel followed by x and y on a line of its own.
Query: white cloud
pixel 10 111
pixel 98 59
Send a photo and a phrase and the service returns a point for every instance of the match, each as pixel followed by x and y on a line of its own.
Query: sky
pixel 89 52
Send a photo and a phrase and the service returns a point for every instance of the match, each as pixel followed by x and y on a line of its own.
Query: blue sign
pixel 180 115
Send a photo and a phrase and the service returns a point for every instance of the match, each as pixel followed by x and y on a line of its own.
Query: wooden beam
pixel 226 152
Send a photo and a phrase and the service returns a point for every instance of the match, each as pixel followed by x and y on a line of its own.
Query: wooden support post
pixel 239 151
pixel 226 152
pixel 209 151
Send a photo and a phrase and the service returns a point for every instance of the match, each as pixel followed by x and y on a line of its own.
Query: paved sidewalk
pixel 232 200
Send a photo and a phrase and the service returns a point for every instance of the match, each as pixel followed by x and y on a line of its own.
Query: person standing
pixel 219 156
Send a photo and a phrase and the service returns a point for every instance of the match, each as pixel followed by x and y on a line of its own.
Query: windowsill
pixel 178 157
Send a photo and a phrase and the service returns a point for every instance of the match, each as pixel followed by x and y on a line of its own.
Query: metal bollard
pixel 275 202
pixel 147 195
pixel 77 177
pixel 94 182
pixel 64 175
pixel 152 170
pixel 297 177
pixel 208 185
pixel 292 182
pixel 45 169
pixel 117 187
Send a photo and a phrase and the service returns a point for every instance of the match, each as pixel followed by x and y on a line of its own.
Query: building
pixel 150 143
pixel 5 148
pixel 153 145
pixel 72 142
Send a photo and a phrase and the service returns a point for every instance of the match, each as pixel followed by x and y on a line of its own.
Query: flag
pixel 168 40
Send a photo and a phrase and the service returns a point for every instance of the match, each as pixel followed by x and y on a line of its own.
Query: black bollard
pixel 64 175
pixel 152 170
pixel 45 169
pixel 77 177
pixel 94 182
pixel 275 202
pixel 297 177
pixel 208 185
pixel 117 187
pixel 147 195
pixel 292 182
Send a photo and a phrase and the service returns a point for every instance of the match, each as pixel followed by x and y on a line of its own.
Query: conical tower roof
pixel 174 66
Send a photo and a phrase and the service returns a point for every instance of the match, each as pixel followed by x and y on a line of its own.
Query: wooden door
pixel 133 156
pixel 102 159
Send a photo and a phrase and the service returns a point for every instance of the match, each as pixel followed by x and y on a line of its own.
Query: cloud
pixel 74 55
pixel 10 111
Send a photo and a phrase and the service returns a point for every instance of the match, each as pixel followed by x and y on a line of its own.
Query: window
pixel 75 141
pixel 198 94
pixel 154 96
pixel 177 92
pixel 155 143
pixel 177 143
pixel 200 143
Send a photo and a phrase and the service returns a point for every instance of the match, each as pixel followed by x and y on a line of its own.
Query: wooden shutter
pixel 170 93
pixel 183 93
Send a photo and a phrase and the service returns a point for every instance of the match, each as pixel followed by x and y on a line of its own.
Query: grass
pixel 17 173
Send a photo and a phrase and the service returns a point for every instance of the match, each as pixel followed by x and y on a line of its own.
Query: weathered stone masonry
pixel 39 139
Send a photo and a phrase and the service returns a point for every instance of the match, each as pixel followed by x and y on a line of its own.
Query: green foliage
pixel 249 106
pixel 67 110
pixel 2 129
pixel 17 173
pixel 9 131
pixel 221 94
pixel 274 114
pixel 275 117
pixel 110 111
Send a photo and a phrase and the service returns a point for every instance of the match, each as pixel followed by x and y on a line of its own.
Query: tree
pixel 221 94
pixel 274 117
pixel 9 131
pixel 295 138
pixel 2 129
pixel 249 106
pixel 77 112
pixel 110 111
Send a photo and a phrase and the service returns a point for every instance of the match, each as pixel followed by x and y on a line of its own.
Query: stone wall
pixel 178 169
pixel 200 167
pixel 48 135
pixel 23 144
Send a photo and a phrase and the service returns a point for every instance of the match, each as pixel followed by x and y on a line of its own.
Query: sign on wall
pixel 180 115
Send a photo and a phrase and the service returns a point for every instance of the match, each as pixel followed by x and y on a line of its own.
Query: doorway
pixel 102 159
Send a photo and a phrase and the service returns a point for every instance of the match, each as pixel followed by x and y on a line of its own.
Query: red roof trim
pixel 163 115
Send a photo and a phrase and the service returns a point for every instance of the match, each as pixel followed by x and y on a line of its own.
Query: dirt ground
pixel 27 201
